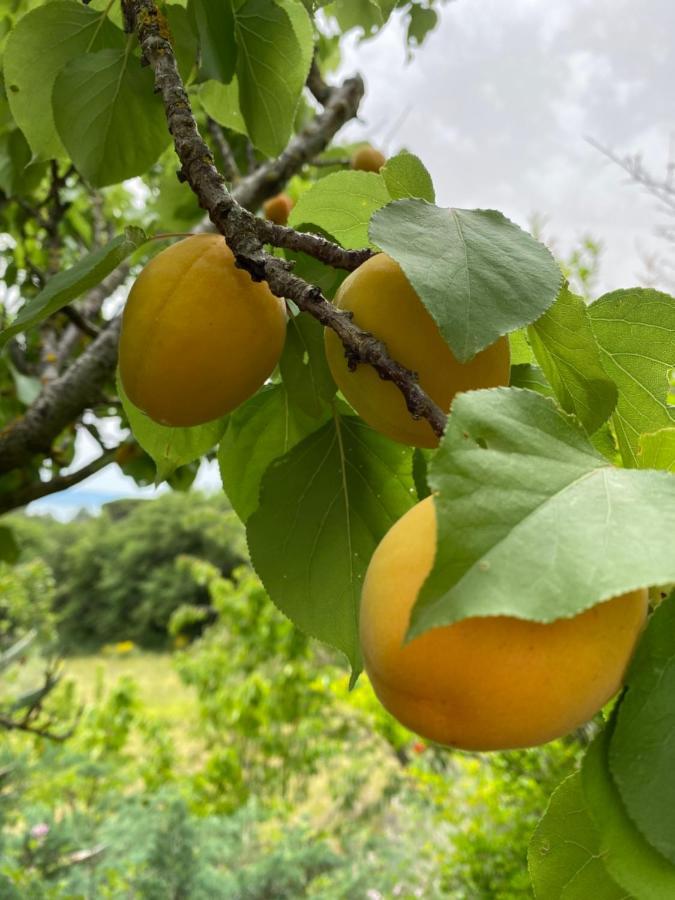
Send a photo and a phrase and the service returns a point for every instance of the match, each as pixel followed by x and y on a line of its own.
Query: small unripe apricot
pixel 199 336
pixel 368 159
pixel 384 303
pixel 277 209
pixel 488 683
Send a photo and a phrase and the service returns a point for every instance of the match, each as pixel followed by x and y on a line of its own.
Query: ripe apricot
pixel 278 208
pixel 384 303
pixel 199 336
pixel 368 159
pixel 492 682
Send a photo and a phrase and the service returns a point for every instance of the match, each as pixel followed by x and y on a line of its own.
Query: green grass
pixel 164 696
pixel 159 687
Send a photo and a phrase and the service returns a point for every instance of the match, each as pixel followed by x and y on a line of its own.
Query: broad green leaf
pixel 521 352
pixel 364 14
pixel 657 450
pixel 17 176
pixel 563 342
pixel 422 21
pixel 406 176
pixel 170 447
pixel 272 65
pixel 304 31
pixel 108 116
pixel 9 549
pixel 642 748
pixel 478 274
pixel 324 507
pixel 261 430
pixel 70 283
pixel 532 521
pixel 635 330
pixel 304 368
pixel 221 102
pixel 421 460
pixel 44 40
pixel 564 854
pixel 629 859
pixel 531 377
pixel 183 39
pixel 214 21
pixel 341 205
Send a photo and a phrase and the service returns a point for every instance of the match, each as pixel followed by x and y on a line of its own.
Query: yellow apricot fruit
pixel 368 159
pixel 278 208
pixel 491 682
pixel 199 336
pixel 384 303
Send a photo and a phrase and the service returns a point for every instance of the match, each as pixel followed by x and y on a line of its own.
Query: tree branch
pixel 25 495
pixel 232 172
pixel 61 401
pixel 332 254
pixel 239 227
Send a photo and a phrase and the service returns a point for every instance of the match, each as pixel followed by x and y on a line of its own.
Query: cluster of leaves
pixel 116 574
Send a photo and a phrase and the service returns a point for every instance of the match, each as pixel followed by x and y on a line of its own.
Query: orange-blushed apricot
pixel 383 302
pixel 199 336
pixel 491 682
pixel 278 208
pixel 368 159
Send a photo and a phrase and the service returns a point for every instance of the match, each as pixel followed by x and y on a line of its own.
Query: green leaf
pixel 170 447
pixel 214 20
pixel 521 352
pixel 183 39
pixel 406 176
pixel 629 859
pixel 364 14
pixel 258 432
pixel 221 102
pixel 642 748
pixel 422 21
pixel 635 330
pixel 9 549
pixel 69 284
pixel 273 60
pixel 421 460
pixel 532 521
pixel 43 41
pixel 563 856
pixel 108 117
pixel 341 205
pixel 565 348
pixel 531 377
pixel 657 450
pixel 304 368
pixel 14 159
pixel 478 274
pixel 324 507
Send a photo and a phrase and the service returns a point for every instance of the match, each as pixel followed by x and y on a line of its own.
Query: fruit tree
pixel 450 467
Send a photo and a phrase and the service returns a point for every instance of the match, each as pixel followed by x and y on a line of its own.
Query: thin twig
pixel 231 168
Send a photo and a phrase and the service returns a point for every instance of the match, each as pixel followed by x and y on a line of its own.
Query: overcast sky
pixel 499 101
pixel 498 104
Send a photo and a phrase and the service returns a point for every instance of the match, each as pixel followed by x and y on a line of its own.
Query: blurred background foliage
pixel 217 752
